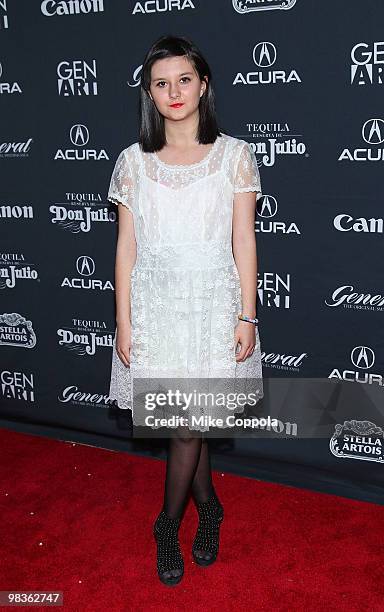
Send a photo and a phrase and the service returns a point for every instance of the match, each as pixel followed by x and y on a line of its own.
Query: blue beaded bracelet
pixel 245 318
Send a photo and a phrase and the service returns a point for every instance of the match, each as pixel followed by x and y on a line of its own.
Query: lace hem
pixel 247 189
pixel 119 200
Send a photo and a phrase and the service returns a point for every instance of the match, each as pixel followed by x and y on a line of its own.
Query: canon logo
pixel 346 223
pixel 49 8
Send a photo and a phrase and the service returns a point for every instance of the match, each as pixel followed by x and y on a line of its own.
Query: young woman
pixel 185 275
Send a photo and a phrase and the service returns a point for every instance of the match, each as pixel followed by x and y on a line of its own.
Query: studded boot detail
pixel 169 557
pixel 206 542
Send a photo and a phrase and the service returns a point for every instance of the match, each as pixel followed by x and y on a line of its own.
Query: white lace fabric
pixel 185 286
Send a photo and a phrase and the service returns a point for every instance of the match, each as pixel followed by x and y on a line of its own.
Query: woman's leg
pixel 202 487
pixel 183 457
pixel 206 543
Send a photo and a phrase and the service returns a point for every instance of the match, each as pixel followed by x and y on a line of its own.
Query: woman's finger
pixel 247 352
pixel 242 353
pixel 123 357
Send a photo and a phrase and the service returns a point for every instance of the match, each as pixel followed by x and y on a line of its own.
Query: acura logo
pixel 362 357
pixel 85 265
pixel 264 54
pixel 267 207
pixel 79 135
pixel 373 130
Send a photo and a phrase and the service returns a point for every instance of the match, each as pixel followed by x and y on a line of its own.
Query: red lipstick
pixel 177 105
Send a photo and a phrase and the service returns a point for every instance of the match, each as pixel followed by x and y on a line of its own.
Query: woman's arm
pixel 244 248
pixel 244 253
pixel 124 263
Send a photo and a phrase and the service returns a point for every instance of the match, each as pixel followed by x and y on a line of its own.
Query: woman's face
pixel 173 80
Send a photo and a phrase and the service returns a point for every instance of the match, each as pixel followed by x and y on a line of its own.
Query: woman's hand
pixel 123 342
pixel 245 334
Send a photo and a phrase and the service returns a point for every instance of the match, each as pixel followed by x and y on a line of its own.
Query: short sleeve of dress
pixel 247 177
pixel 121 186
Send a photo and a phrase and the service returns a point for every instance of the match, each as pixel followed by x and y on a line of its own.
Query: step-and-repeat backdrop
pixel 302 81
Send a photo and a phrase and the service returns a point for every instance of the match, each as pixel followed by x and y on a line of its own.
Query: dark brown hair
pixel 151 130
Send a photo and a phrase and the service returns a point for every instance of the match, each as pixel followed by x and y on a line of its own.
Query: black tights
pixel 188 465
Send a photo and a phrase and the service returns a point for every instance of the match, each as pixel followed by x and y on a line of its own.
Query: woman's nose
pixel 174 92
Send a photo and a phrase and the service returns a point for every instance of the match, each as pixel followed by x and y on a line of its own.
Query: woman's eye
pixel 159 84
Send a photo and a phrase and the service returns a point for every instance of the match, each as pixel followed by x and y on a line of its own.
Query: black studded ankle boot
pixel 206 543
pixel 170 564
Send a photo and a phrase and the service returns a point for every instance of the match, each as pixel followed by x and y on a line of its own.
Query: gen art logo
pixel 367 63
pixel 4 23
pixel 274 290
pixel 77 78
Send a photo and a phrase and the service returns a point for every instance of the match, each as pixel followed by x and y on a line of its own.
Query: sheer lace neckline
pixel 187 166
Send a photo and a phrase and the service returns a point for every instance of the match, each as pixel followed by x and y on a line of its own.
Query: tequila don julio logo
pixel 79 213
pixel 272 140
pixel 358 440
pixel 14 269
pixel 85 337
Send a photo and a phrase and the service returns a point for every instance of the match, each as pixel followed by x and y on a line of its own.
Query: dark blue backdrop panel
pixel 302 82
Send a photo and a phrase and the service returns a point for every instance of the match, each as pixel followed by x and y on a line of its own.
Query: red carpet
pixel 282 548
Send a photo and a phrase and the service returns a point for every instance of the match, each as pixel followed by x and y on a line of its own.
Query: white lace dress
pixel 185 286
